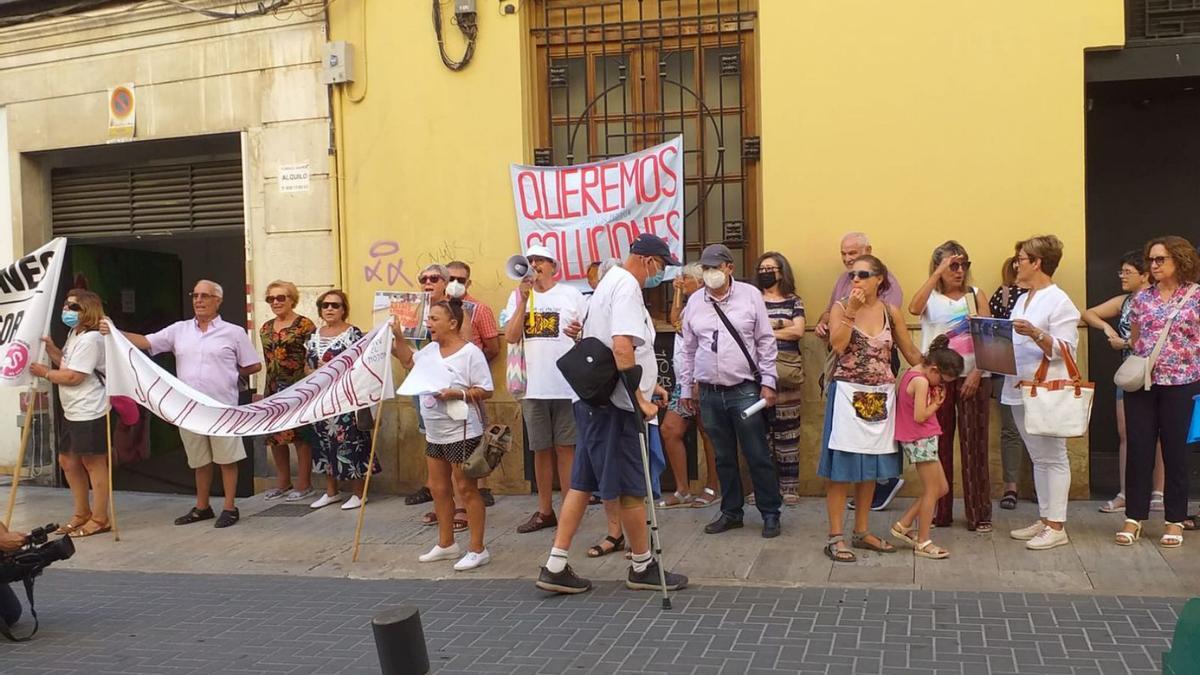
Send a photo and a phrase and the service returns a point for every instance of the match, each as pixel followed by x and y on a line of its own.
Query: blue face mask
pixel 654 281
pixel 70 317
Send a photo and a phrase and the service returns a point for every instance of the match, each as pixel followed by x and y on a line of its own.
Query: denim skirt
pixel 852 467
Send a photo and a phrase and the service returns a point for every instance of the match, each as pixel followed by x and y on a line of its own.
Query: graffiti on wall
pixel 385 264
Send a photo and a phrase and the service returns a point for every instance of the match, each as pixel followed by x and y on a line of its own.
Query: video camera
pixel 26 563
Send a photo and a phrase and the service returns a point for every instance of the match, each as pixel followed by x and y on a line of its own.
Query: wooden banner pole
pixel 16 478
pixel 362 510
pixel 112 502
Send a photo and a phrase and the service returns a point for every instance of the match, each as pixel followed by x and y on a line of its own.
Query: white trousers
pixel 1051 469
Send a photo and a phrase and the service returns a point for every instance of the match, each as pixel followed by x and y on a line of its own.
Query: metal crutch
pixel 651 514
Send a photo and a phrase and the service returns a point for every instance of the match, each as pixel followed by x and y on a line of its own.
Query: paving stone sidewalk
pixel 158 623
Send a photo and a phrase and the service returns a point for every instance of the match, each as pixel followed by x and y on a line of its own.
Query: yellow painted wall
pixel 916 122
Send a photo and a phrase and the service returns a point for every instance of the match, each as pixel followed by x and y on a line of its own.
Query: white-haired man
pixel 210 355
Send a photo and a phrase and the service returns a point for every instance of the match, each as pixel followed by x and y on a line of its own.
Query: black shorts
pixel 608 455
pixel 85 438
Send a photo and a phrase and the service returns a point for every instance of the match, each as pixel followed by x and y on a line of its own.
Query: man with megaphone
pixel 537 315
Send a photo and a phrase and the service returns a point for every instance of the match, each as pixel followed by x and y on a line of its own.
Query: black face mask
pixel 767 279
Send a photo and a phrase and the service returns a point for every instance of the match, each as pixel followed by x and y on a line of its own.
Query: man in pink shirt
pixel 210 355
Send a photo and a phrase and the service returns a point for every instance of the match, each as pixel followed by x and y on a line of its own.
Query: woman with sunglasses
pixel 1045 321
pixel 1134 277
pixel 283 340
pixel 343 449
pixel 1163 411
pixel 83 453
pixel 453 429
pixel 858 445
pixel 945 303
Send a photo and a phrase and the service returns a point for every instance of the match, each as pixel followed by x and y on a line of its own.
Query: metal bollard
pixel 400 642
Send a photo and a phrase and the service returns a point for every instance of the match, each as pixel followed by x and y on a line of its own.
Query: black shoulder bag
pixel 591 370
pixel 738 339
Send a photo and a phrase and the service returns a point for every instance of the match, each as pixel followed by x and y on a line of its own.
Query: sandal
pixel 705 499
pixel 419 497
pixel 73 524
pixel 429 519
pixel 599 551
pixel 790 499
pixel 930 550
pixel 460 524
pixel 863 540
pixel 676 500
pixel 1009 501
pixel 1114 505
pixel 1192 522
pixel 1125 537
pixel 982 528
pixel 488 498
pixel 92 527
pixel 904 534
pixel 836 554
pixel 1169 540
pixel 1156 501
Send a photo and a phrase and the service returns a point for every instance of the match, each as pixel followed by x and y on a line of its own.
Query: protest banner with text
pixel 27 293
pixel 590 212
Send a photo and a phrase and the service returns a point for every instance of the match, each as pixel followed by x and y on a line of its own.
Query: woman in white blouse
pixel 1044 323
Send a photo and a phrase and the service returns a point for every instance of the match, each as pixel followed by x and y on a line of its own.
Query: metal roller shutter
pixel 122 201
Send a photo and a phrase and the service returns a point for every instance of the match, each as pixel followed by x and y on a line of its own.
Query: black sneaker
pixel 488 498
pixel 648 580
pixel 194 516
pixel 563 582
pixel 228 518
pixel 885 492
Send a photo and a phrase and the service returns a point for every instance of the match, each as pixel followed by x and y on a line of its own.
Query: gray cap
pixel 715 255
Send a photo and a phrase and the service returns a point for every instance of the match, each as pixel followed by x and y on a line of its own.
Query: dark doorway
pixel 1143 180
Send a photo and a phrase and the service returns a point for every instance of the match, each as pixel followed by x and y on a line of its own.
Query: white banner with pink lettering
pixel 27 293
pixel 590 212
pixel 359 377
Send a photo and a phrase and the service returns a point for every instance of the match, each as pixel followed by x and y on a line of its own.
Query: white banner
pixel 28 289
pixel 590 212
pixel 359 377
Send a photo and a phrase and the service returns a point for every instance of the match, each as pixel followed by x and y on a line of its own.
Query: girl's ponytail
pixel 948 362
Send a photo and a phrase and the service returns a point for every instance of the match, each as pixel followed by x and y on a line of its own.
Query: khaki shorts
pixel 202 450
pixel 549 423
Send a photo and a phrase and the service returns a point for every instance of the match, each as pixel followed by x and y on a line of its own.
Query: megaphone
pixel 518 268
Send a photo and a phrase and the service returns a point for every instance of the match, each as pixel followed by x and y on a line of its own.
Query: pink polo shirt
pixel 207 360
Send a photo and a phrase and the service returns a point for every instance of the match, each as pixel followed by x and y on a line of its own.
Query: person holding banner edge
pixel 83 451
pixel 210 355
pixel 607 456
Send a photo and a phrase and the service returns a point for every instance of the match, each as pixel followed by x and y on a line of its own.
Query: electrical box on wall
pixel 338 66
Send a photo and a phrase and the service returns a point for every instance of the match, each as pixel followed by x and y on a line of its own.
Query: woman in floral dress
pixel 283 338
pixel 343 449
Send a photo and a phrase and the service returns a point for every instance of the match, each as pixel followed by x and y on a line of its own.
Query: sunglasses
pixel 461 280
pixel 861 274
pixel 1158 260
pixel 964 266
pixel 73 307
pixel 329 305
pixel 430 279
pixel 202 296
pixel 276 298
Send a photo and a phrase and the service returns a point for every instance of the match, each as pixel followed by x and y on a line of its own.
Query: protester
pixel 483 332
pixel 10 606
pixel 453 428
pixel 786 312
pixel 210 355
pixel 945 303
pixel 922 391
pixel 283 338
pixel 343 447
pixel 733 369
pixel 854 245
pixel 546 404
pixel 1012 448
pixel 83 446
pixel 858 446
pixel 1164 411
pixel 608 458
pixel 1044 322
pixel 677 419
pixel 1134 277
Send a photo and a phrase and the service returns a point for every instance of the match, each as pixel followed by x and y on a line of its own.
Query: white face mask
pixel 714 279
pixel 456 289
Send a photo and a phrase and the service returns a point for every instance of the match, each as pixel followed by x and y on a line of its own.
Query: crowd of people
pixel 738 344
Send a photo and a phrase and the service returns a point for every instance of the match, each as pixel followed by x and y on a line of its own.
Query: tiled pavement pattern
pixel 130 623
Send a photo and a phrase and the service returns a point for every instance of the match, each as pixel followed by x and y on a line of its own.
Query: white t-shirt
pixel 617 308
pixel 952 318
pixel 545 341
pixel 468 368
pixel 1051 311
pixel 87 400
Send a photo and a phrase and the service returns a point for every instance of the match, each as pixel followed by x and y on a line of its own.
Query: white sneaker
pixel 1027 533
pixel 326 500
pixel 472 560
pixel 1048 538
pixel 353 503
pixel 439 553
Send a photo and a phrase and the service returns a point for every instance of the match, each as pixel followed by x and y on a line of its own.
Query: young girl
pixel 920 393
